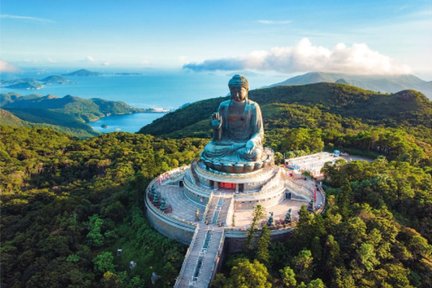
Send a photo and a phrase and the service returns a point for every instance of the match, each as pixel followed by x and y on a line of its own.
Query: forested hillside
pixel 406 107
pixel 67 205
pixel 69 114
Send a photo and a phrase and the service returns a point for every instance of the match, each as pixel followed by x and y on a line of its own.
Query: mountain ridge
pixel 380 83
pixel 69 111
pixel 407 106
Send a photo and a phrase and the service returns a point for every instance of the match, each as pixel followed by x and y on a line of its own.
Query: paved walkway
pixel 182 207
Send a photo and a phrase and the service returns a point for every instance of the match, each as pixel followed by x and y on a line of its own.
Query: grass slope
pixel 7 118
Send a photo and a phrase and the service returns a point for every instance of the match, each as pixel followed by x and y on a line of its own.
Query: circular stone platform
pixel 180 199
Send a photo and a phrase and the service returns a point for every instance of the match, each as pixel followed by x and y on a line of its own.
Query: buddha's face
pixel 238 94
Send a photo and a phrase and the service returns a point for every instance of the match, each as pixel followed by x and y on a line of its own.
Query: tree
pixel 246 274
pixel 219 281
pixel 367 256
pixel 331 257
pixel 104 262
pixel 95 236
pixel 263 254
pixel 257 215
pixel 303 265
pixel 316 283
pixel 288 277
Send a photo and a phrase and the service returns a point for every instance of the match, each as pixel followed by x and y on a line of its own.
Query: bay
pixel 167 89
pixel 124 123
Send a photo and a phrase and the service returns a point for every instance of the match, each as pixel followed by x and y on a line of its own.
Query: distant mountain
pixel 380 83
pixel 82 72
pixel 26 84
pixel 69 111
pixel 33 84
pixel 406 107
pixel 12 97
pixel 54 79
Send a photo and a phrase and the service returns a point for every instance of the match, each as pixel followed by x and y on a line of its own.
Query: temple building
pixel 208 204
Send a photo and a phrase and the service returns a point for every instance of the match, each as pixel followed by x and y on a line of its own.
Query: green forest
pixel 69 204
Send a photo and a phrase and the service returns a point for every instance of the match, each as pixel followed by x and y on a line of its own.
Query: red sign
pixel 227 185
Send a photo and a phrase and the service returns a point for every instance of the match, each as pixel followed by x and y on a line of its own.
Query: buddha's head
pixel 239 87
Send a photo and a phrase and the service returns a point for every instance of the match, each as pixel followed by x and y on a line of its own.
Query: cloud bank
pixel 304 57
pixel 7 67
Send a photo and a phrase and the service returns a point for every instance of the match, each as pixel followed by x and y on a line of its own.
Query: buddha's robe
pixel 240 122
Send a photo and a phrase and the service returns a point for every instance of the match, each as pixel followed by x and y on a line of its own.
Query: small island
pixel 26 84
pixel 82 73
pixel 54 79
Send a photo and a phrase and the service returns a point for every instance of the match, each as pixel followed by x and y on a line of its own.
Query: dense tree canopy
pixel 68 205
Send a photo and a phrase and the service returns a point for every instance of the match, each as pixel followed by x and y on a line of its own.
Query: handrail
pixel 207 207
pixel 300 189
pixel 172 174
pixel 218 251
pixel 188 252
pixel 163 215
pixel 197 189
pixel 270 182
pixel 167 218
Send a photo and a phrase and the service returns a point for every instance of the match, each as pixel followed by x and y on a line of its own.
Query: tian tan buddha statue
pixel 238 128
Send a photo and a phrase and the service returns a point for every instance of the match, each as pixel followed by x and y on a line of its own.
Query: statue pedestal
pixel 227 165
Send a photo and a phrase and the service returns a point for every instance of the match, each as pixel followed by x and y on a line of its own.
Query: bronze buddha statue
pixel 238 128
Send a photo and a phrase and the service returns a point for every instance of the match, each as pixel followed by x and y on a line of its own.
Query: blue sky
pixel 273 36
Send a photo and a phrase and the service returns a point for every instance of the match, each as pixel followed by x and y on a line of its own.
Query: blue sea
pixel 168 89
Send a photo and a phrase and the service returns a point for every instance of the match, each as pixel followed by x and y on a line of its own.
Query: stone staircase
pixel 211 209
pixel 203 255
pixel 194 173
pixel 202 258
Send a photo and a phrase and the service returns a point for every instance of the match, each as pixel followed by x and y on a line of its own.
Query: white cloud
pixel 7 67
pixel 90 59
pixel 304 56
pixel 25 18
pixel 274 22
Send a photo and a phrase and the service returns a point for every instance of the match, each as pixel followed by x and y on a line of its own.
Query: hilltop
pixel 382 83
pixel 405 107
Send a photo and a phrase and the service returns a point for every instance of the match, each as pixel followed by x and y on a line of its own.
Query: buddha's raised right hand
pixel 216 120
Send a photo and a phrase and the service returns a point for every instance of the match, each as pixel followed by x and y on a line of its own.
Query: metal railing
pixel 187 255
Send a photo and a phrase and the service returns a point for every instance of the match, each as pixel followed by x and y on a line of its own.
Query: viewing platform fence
pixel 171 218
